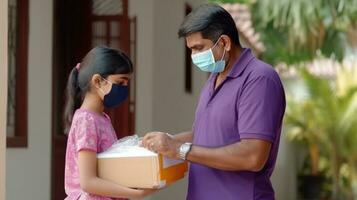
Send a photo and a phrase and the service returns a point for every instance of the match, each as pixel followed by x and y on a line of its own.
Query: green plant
pixel 301 128
pixel 302 27
pixel 294 30
pixel 347 86
pixel 326 120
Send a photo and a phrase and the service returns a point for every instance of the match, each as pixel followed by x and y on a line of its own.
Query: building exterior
pixel 164 91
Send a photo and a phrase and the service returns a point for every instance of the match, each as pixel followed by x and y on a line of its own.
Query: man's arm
pixel 184 136
pixel 247 155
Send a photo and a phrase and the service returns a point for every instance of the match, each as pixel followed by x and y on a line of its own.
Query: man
pixel 234 142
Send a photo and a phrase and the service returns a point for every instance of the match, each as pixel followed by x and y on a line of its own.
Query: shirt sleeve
pixel 86 137
pixel 260 109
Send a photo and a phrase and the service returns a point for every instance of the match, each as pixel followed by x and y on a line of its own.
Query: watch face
pixel 184 148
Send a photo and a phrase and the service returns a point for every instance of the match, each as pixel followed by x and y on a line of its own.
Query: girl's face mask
pixel 205 60
pixel 116 95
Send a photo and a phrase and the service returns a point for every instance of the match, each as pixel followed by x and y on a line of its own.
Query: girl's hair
pixel 100 60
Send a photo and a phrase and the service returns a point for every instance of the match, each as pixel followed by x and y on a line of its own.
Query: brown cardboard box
pixel 137 167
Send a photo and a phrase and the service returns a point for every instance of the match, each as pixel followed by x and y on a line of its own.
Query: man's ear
pixel 227 42
pixel 96 80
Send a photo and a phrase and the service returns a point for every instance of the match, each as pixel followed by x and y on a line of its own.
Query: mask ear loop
pixel 213 48
pixel 216 43
pixel 224 50
pixel 224 53
pixel 101 88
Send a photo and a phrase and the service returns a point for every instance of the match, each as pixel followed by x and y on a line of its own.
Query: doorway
pixel 79 26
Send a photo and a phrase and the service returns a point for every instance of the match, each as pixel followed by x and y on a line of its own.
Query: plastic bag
pixel 127 146
pixel 133 140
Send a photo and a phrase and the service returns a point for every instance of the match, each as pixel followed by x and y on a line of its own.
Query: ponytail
pixel 73 99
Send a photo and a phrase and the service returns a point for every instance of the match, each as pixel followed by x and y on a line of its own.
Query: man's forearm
pixel 184 136
pixel 245 155
pixel 241 156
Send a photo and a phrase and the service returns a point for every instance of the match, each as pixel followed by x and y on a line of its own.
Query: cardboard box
pixel 137 167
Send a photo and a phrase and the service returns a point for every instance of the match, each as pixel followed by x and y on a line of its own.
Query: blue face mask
pixel 117 94
pixel 205 61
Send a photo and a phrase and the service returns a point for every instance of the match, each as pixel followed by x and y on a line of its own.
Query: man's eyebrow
pixel 196 46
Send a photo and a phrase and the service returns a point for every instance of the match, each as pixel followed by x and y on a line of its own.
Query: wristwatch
pixel 184 149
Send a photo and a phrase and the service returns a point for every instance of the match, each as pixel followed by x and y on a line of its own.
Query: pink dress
pixel 89 131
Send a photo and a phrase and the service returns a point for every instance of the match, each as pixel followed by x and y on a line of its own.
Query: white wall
pixel 144 71
pixel 160 67
pixel 28 170
pixel 3 93
pixel 162 103
pixel 174 108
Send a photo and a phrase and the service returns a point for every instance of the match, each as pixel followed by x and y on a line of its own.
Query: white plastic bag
pixel 126 147
pixel 133 140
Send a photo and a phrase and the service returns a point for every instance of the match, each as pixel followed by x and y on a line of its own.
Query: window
pixel 111 26
pixel 16 129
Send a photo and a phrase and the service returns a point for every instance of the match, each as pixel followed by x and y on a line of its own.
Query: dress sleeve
pixel 86 134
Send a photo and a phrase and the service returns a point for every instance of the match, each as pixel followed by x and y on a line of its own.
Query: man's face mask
pixel 205 60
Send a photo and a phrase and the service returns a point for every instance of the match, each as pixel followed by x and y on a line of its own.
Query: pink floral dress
pixel 89 131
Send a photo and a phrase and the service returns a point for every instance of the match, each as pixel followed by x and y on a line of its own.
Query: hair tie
pixel 78 66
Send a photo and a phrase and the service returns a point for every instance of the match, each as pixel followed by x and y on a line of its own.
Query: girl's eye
pixel 122 83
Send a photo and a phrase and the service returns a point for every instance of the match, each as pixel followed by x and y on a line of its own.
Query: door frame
pixel 63 12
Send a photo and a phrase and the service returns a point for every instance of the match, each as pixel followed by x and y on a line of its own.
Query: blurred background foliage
pixel 294 30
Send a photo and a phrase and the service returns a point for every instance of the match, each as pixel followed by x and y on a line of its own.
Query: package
pixel 130 165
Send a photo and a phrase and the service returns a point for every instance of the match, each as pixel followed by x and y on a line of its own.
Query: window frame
pixel 188 61
pixel 20 138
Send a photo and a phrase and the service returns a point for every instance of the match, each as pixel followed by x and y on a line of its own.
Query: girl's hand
pixel 141 193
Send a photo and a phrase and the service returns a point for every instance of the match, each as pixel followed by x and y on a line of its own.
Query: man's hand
pixel 162 143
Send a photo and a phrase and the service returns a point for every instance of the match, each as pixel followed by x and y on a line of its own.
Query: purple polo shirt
pixel 249 104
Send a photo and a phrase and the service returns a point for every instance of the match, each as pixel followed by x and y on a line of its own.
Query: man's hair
pixel 212 21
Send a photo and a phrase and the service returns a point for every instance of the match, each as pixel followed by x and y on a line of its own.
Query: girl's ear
pixel 96 81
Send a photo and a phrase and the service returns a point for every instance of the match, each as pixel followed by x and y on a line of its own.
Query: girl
pixel 100 81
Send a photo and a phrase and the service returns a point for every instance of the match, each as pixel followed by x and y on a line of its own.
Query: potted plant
pixel 325 121
pixel 346 86
pixel 303 129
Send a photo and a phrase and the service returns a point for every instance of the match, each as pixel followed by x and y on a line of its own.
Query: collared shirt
pixel 248 104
